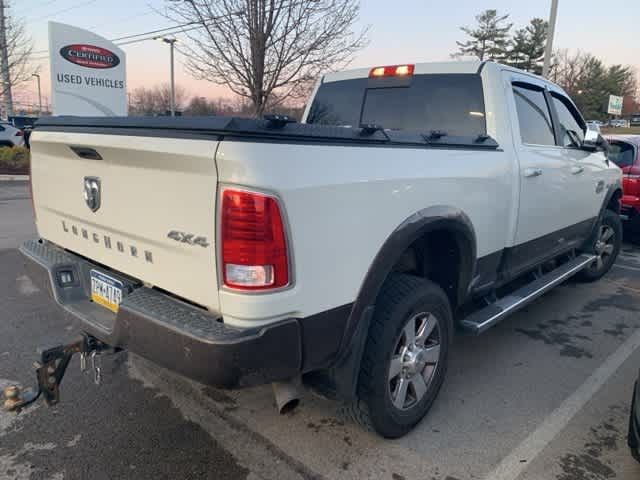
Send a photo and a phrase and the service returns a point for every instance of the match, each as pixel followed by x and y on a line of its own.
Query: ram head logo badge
pixel 92 192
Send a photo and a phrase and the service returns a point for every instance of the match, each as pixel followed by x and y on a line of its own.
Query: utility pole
pixel 548 51
pixel 39 94
pixel 4 62
pixel 171 42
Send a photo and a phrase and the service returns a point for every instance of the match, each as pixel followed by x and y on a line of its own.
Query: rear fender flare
pixel 440 217
pixel 614 189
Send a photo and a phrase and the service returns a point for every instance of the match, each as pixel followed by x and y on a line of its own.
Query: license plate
pixel 106 291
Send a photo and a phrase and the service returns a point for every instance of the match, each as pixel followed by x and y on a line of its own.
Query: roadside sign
pixel 615 105
pixel 88 73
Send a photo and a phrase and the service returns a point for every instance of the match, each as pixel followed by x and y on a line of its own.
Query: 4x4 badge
pixel 188 238
pixel 92 193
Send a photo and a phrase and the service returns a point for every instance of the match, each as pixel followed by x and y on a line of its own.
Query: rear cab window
pixel 451 103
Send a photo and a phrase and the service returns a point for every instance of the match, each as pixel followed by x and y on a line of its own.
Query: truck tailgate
pixel 149 188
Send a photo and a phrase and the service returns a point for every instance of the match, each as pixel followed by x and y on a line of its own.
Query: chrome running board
pixel 488 316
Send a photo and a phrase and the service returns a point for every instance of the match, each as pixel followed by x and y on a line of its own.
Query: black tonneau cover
pixel 256 129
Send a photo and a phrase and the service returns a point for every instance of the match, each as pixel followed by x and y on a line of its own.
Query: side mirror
pixel 593 142
pixel 591 137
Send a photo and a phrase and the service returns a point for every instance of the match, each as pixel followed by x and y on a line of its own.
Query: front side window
pixel 533 115
pixel 571 125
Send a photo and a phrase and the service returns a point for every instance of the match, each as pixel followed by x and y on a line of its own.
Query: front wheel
pixel 405 356
pixel 606 248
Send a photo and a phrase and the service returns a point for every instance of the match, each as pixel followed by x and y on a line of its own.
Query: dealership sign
pixel 615 105
pixel 88 74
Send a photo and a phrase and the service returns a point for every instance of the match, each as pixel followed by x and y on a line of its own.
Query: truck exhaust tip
pixel 287 394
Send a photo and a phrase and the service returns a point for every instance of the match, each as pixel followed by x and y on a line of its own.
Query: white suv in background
pixel 10 136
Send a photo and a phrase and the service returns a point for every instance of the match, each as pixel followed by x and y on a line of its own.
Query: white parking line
pixel 512 466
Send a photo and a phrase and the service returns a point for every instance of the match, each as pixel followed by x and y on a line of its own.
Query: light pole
pixel 39 94
pixel 171 42
pixel 548 51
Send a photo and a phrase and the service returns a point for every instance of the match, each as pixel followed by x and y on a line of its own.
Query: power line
pixel 64 10
pixel 164 31
pixel 152 34
pixel 160 30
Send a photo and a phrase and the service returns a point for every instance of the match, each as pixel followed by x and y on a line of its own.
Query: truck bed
pixel 253 129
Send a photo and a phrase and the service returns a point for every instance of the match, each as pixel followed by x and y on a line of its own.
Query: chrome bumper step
pixel 482 319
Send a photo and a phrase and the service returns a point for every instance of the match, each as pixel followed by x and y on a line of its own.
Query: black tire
pixel 632 440
pixel 597 269
pixel 403 299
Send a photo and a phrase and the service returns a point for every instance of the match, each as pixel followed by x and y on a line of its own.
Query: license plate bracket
pixel 106 291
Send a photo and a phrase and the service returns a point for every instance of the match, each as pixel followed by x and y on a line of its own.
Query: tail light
pixel 391 71
pixel 633 173
pixel 19 133
pixel 253 241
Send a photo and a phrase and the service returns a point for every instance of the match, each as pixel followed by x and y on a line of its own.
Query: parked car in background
pixel 618 123
pixel 594 125
pixel 10 136
pixel 624 151
pixel 22 122
pixel 635 120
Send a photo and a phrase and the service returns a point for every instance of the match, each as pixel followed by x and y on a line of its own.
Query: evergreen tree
pixel 527 47
pixel 489 40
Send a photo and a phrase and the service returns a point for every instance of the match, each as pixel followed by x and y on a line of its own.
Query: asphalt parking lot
pixel 544 395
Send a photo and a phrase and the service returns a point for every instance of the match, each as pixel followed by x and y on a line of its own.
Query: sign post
pixel 615 105
pixel 88 73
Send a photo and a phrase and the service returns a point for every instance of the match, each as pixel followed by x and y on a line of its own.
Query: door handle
pixel 577 170
pixel 532 172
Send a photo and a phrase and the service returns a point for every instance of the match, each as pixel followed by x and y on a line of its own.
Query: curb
pixel 14 178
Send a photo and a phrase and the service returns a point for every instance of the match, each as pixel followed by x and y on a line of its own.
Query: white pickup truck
pixel 346 250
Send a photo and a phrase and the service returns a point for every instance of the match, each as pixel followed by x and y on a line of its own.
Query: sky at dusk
pixel 400 31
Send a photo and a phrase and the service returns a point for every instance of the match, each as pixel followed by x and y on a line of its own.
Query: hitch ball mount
pixel 51 369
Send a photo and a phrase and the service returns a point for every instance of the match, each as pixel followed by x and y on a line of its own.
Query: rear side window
pixel 533 115
pixel 621 153
pixel 453 103
pixel 569 120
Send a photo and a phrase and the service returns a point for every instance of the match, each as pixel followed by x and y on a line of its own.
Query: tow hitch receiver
pixel 51 369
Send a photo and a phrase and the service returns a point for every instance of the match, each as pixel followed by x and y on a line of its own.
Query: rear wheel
pixel 632 438
pixel 405 356
pixel 606 248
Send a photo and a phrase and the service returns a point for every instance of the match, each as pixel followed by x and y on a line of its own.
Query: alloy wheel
pixel 605 246
pixel 414 360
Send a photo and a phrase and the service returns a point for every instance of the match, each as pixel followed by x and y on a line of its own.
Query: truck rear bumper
pixel 167 331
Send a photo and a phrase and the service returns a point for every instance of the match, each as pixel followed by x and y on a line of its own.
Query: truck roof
pixel 471 66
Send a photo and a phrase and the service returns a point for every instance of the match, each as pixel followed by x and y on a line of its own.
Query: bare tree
pixel 200 107
pixel 258 48
pixel 156 100
pixel 19 47
pixel 589 81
